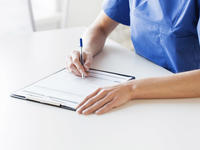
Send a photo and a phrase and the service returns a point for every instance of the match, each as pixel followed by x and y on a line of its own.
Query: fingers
pixel 76 61
pixel 74 70
pixel 71 67
pixel 106 108
pixel 88 97
pixel 74 65
pixel 98 105
pixel 91 101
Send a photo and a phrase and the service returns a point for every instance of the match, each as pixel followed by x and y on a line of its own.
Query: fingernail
pixel 78 113
pixel 98 112
pixel 77 107
pixel 85 112
pixel 78 110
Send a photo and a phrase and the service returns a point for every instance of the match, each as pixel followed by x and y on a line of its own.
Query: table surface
pixel 138 125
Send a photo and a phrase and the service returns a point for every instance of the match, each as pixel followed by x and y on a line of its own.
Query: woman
pixel 164 32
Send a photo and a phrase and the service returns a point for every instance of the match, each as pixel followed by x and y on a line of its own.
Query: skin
pixel 104 99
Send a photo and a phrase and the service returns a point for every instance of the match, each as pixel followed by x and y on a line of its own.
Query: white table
pixel 139 125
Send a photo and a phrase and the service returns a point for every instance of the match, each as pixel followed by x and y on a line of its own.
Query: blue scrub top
pixel 165 32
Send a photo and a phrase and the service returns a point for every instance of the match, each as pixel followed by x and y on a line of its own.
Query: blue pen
pixel 81 56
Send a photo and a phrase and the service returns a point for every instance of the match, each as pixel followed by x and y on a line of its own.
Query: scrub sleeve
pixel 118 10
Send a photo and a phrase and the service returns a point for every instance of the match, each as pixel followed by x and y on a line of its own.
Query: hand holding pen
pixel 78 62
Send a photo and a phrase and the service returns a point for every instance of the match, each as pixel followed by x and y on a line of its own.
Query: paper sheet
pixel 68 89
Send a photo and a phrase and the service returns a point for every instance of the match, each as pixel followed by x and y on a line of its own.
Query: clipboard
pixel 69 96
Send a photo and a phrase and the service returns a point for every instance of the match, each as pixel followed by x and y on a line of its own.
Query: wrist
pixel 145 88
pixel 132 89
pixel 88 52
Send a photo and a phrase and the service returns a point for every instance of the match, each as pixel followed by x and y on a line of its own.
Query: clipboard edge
pixel 132 77
pixel 34 101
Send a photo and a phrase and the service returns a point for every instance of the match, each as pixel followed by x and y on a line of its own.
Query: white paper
pixel 67 89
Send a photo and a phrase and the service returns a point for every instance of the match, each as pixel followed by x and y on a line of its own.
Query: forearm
pixel 94 40
pixel 183 85
pixel 95 37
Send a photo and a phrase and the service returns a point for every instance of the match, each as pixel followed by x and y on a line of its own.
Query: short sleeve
pixel 117 10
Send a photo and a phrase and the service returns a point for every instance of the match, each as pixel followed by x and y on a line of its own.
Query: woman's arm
pixel 94 39
pixel 182 85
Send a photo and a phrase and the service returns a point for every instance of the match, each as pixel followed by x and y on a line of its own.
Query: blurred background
pixel 60 14
pixel 51 14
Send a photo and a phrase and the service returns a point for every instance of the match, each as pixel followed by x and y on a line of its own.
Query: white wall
pixel 83 12
pixel 43 8
pixel 15 17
